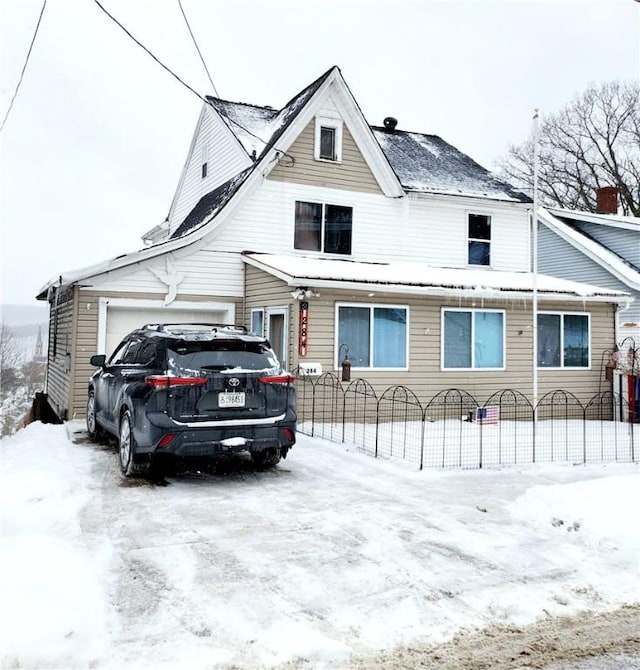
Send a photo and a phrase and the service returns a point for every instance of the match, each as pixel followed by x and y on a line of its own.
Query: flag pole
pixel 534 309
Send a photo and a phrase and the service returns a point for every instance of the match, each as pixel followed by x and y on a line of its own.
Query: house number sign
pixel 303 328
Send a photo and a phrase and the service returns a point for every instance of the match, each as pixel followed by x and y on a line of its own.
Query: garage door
pixel 122 320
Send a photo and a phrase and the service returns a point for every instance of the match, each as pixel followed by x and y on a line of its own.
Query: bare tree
pixel 592 142
pixel 11 357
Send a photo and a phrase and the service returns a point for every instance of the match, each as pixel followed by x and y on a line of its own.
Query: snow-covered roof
pixel 210 204
pixel 428 164
pixel 258 128
pixel 611 220
pixel 422 163
pixel 609 260
pixel 423 279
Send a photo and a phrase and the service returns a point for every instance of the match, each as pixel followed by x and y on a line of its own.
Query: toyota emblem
pixel 233 382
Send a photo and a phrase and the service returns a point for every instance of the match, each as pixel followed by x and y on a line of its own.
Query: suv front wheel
pixel 127 448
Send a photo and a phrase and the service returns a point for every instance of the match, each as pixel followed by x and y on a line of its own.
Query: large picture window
pixel 376 336
pixel 320 227
pixel 563 340
pixel 472 339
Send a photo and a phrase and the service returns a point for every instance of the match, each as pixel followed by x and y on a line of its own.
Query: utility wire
pixel 24 67
pixel 206 69
pixel 173 74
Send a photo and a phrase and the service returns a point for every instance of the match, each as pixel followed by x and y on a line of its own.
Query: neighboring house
pixel 602 249
pixel 334 237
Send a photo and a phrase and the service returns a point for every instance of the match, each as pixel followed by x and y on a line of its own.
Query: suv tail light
pixel 278 379
pixel 161 381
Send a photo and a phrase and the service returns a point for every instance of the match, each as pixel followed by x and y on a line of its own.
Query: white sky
pixel 95 143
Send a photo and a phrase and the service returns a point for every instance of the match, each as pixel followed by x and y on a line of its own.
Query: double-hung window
pixel 473 339
pixel 321 227
pixel 479 243
pixel 563 340
pixel 374 336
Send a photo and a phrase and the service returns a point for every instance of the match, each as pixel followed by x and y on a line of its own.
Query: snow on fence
pixel 446 432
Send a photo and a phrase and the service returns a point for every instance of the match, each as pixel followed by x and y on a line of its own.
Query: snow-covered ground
pixel 331 554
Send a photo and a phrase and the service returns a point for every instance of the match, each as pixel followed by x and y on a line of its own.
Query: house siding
pixel 205 272
pixel 416 228
pixel 425 377
pixel 351 174
pixel 625 243
pixel 226 158
pixel 559 258
pixel 61 330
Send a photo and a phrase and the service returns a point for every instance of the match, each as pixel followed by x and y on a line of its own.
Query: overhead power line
pixel 24 67
pixel 206 69
pixel 142 46
pixel 173 74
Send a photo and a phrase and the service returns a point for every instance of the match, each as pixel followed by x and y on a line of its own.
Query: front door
pixel 277 332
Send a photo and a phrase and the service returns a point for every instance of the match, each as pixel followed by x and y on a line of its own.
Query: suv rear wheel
pixel 127 449
pixel 95 433
pixel 268 458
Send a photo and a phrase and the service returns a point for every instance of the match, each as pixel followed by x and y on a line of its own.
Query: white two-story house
pixel 339 239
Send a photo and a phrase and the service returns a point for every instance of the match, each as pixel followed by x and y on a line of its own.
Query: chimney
pixel 607 200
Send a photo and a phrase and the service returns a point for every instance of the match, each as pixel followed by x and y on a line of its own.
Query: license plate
pixel 231 399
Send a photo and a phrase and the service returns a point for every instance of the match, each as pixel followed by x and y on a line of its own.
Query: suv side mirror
pixel 98 360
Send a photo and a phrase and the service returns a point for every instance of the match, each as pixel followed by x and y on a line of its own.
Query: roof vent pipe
pixel 390 124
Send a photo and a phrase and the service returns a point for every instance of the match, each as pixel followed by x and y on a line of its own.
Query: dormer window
pixel 328 139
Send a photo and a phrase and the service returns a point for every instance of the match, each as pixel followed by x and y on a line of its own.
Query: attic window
pixel 328 140
pixel 327 143
pixel 205 160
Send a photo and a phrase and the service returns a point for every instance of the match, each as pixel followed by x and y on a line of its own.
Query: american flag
pixel 489 415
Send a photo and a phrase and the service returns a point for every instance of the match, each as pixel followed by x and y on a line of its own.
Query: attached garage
pixel 119 316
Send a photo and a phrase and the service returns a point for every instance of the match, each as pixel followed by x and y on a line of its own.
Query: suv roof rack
pixel 194 327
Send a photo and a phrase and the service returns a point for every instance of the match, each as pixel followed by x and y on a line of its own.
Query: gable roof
pixel 422 163
pixel 609 260
pixel 259 128
pixel 423 279
pixel 253 126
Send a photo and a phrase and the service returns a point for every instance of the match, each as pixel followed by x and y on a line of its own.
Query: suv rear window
pixel 237 355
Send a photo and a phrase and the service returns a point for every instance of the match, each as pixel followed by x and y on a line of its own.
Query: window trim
pixel 469 239
pixel 321 251
pixel 443 310
pixel 328 122
pixel 562 314
pixel 336 344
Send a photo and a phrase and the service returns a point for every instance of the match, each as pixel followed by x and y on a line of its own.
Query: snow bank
pixel 54 612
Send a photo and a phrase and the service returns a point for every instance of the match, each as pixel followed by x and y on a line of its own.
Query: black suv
pixel 194 392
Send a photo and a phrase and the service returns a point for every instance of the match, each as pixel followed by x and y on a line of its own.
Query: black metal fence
pixel 453 430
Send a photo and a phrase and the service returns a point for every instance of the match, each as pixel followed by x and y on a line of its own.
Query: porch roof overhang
pixel 421 279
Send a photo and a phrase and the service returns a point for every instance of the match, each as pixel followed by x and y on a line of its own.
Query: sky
pixel 331 553
pixel 93 148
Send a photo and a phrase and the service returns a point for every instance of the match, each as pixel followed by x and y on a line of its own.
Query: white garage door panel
pixel 122 320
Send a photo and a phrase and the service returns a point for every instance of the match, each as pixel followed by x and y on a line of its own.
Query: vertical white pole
pixel 534 242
